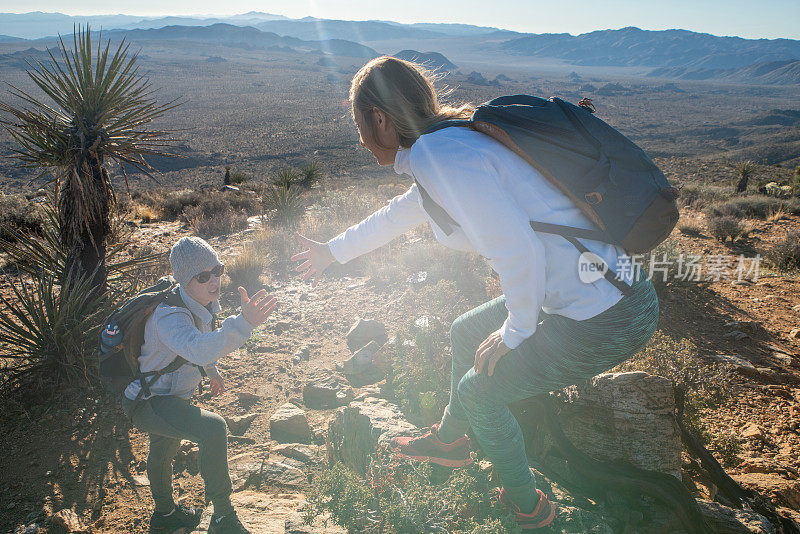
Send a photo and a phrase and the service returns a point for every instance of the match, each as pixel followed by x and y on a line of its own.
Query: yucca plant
pixel 745 170
pixel 309 175
pixel 285 204
pixel 287 178
pixel 95 111
pixel 47 327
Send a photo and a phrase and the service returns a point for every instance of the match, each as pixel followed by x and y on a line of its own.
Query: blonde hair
pixel 405 92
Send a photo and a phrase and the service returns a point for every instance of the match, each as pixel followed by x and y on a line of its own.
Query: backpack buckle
pixel 593 198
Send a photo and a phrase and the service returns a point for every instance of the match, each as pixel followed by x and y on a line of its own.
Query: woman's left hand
pixel 217 385
pixel 489 353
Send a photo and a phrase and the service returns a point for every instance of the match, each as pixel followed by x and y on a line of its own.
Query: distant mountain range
pixel 247 37
pixel 669 48
pixel 678 54
pixel 432 60
pixel 785 72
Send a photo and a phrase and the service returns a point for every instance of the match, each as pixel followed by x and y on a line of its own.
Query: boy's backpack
pixel 122 338
pixel 609 178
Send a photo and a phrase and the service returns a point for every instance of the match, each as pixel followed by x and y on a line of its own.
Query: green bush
pixel 699 196
pixel 286 179
pixel 785 254
pixel 402 497
pixel 238 178
pixel 309 175
pixel 418 369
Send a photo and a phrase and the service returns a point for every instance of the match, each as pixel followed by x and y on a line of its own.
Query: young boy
pixel 167 413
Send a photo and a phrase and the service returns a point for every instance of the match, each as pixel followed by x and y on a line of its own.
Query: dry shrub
pixel 146 214
pixel 752 206
pixel 246 269
pixel 724 228
pixel 284 206
pixel 215 224
pixel 18 216
pixel 171 205
pixel 690 227
pixel 785 254
pixel 698 196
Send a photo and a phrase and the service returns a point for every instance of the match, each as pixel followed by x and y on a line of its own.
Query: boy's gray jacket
pixel 176 331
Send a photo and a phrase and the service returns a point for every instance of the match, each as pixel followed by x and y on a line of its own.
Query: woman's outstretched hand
pixel 489 353
pixel 317 258
pixel 257 309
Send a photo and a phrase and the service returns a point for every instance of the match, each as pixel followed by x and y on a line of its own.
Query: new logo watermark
pixel 685 267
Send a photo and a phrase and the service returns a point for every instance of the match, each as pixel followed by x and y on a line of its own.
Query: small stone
pixel 141 480
pixel 281 327
pixel 299 451
pixel 795 333
pixel 303 354
pixel 365 330
pixel 736 335
pixel 289 424
pixel 238 424
pixel 247 398
pixel 69 521
pixel 33 528
pixel 328 392
pixel 752 431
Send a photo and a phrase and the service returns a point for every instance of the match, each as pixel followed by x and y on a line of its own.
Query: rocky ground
pixel 283 389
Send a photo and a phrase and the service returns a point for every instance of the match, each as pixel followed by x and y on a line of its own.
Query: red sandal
pixel 542 516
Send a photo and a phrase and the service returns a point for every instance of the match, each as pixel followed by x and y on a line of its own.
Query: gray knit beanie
pixel 191 256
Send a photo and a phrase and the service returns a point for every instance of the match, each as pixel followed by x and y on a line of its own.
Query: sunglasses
pixel 205 276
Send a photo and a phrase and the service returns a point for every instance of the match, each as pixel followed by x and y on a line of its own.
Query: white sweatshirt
pixel 186 332
pixel 493 194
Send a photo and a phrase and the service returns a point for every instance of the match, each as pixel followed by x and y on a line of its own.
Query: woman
pixel 188 330
pixel 548 329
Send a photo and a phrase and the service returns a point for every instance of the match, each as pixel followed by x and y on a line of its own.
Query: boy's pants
pixel 168 420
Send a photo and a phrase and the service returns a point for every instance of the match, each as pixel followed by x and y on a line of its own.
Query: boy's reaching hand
pixel 257 309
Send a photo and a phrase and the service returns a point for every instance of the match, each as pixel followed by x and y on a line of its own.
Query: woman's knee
pixel 214 428
pixel 473 391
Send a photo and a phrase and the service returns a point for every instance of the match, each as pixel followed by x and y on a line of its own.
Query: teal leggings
pixel 560 353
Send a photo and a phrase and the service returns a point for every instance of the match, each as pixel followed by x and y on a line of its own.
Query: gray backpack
pixel 609 178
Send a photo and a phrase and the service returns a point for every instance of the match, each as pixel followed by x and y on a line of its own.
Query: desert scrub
pixel 18 216
pixel 286 178
pixel 309 175
pixel 785 254
pixel 699 196
pixel 752 206
pixel 724 228
pixel 171 205
pixel 215 224
pixel 246 269
pixel 238 178
pixel 690 228
pixel 401 497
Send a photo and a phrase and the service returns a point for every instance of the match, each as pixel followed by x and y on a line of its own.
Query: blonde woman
pixel 548 329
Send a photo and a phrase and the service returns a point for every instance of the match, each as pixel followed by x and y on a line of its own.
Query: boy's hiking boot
pixel 183 519
pixel 429 447
pixel 226 524
pixel 542 516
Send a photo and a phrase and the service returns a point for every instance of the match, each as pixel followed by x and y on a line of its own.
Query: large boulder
pixel 356 430
pixel 782 491
pixel 624 416
pixel 289 425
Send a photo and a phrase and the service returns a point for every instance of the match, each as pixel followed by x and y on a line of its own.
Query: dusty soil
pixel 81 453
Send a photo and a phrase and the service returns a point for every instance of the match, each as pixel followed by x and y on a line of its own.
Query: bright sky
pixel 745 18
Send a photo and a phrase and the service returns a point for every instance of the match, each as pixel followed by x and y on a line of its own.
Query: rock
pixel 361 359
pixel 248 471
pixel 328 392
pixel 303 354
pixel 356 430
pixel 780 490
pixel 238 424
pixel 68 520
pixel 752 431
pixel 33 528
pixel 304 453
pixel 141 480
pixel 363 331
pixel 795 333
pixel 573 520
pixel 622 416
pixel 247 398
pixel 733 521
pixel 796 308
pixel 282 474
pixel 289 424
pixel 264 513
pixel 736 335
